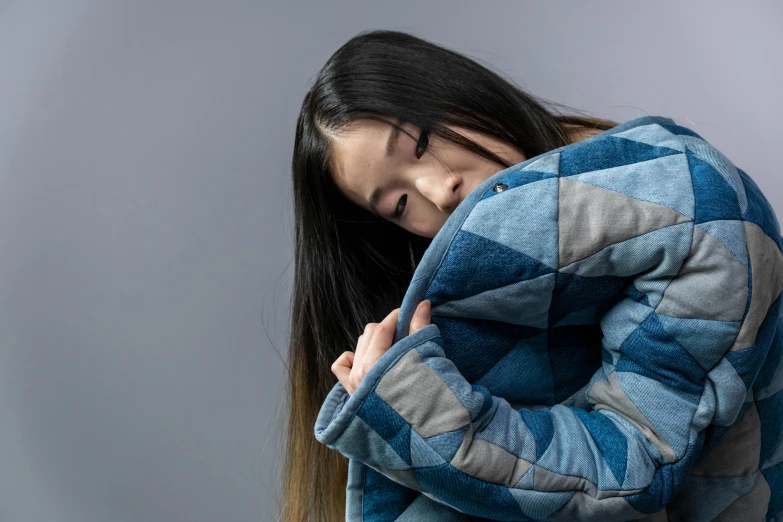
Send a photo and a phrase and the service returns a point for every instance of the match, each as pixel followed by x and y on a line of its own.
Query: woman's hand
pixel 350 368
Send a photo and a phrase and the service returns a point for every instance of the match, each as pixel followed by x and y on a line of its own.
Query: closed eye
pixel 397 211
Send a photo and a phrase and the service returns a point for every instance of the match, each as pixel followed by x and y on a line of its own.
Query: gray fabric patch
pixel 421 397
pixel 609 395
pixel 488 462
pixel 592 218
pixel 766 263
pixel 712 283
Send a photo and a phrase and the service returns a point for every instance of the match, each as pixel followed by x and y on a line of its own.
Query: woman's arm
pixel 681 352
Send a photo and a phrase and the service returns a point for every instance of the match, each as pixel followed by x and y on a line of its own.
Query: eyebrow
pixel 391 143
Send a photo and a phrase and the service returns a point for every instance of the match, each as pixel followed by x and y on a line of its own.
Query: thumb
pixel 421 317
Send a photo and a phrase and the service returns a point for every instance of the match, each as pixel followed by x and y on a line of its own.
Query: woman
pixel 368 201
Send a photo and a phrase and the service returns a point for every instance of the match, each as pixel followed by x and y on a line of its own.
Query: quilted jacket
pixel 606 343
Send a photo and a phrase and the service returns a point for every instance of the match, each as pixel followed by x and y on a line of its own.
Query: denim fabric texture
pixel 606 343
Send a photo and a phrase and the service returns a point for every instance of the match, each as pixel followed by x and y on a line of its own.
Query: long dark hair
pixel 352 268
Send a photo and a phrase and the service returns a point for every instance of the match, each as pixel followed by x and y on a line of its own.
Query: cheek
pixel 427 222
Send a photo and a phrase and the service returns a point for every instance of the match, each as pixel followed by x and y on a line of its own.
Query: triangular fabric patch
pixel 760 210
pixel 711 283
pixel 731 233
pixel 766 263
pixel 715 198
pixel 584 156
pixel 549 164
pixel 503 380
pixel 527 175
pixel 706 340
pixel 717 160
pixel 622 259
pixel 387 499
pixel 666 181
pixel 476 345
pixel 447 444
pixel 371 448
pixel 422 455
pixel 592 218
pixel 524 302
pixel 654 135
pixel 506 217
pixel 491 266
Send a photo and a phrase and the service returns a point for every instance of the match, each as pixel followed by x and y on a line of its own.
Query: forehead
pixel 358 154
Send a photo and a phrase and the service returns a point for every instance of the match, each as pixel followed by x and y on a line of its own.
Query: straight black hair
pixel 351 267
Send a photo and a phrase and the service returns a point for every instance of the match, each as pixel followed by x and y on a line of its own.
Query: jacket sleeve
pixel 681 351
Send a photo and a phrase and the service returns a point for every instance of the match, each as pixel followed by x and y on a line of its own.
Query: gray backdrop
pixel 145 214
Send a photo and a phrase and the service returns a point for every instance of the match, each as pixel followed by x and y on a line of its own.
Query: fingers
pixel 372 344
pixel 421 317
pixel 361 345
pixel 341 367
pixel 381 337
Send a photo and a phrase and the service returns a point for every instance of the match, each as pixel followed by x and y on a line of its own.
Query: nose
pixel 441 189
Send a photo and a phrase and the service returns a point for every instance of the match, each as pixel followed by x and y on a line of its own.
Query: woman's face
pixel 412 188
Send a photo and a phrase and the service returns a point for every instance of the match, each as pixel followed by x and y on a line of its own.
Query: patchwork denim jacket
pixel 606 343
